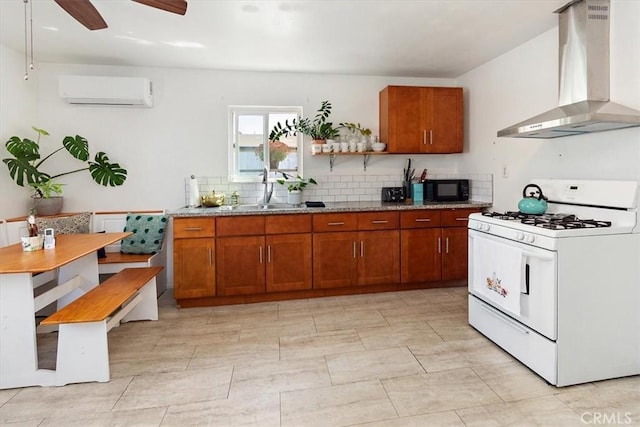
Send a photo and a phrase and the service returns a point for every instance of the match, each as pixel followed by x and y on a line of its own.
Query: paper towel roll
pixel 194 193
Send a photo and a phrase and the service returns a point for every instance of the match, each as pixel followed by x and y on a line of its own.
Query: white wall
pixel 185 132
pixel 17 110
pixel 523 83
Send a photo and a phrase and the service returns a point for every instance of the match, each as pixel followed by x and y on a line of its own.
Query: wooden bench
pixel 83 324
pixel 115 261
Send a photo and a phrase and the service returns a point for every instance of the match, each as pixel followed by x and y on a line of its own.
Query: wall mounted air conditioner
pixel 103 90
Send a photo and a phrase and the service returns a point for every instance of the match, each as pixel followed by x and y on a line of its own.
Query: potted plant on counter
pixel 295 187
pixel 25 167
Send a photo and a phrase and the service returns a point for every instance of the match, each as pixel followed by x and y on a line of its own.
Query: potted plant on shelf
pixel 319 129
pixel 295 187
pixel 26 163
pixel 356 128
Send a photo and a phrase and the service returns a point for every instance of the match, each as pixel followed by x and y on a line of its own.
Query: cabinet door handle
pixel 260 254
pixel 193 229
pixel 332 224
pixel 424 137
pixel 431 136
pixel 446 245
pixel 361 248
pixel 268 254
pixel 354 249
pixel 462 219
pixel 379 221
pixel 423 219
pixel 210 258
pixel 439 245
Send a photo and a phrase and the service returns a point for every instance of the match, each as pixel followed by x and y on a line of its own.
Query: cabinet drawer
pixel 335 222
pixel 286 224
pixel 456 217
pixel 193 227
pixel 378 220
pixel 240 226
pixel 420 219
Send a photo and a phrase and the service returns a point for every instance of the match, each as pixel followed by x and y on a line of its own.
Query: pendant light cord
pixel 31 30
pixel 26 42
pixel 28 38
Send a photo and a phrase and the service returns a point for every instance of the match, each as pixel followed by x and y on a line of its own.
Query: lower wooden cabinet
pixel 434 248
pixel 344 259
pixel 454 253
pixel 334 260
pixel 240 265
pixel 194 268
pixel 379 260
pixel 263 254
pixel 421 259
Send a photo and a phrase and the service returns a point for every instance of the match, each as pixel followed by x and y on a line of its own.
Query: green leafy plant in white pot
pixel 295 187
pixel 318 129
pixel 25 168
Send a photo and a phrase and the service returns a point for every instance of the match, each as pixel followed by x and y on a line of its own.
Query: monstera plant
pixel 25 167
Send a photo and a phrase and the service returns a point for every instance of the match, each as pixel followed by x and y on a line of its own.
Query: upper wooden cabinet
pixel 421 120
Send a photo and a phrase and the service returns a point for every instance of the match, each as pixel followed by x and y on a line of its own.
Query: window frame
pixel 234 111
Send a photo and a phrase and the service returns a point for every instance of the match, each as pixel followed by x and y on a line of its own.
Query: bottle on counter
pixel 31 221
pixel 235 198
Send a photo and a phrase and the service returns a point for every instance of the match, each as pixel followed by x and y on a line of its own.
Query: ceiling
pixel 412 38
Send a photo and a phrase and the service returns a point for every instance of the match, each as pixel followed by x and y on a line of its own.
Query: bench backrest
pixel 12 229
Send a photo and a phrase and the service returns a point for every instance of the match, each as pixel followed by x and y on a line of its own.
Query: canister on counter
pixel 418 192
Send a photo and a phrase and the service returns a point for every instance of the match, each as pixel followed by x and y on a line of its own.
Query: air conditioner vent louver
pixel 106 91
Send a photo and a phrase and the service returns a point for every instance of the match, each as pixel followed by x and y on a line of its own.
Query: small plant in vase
pixel 295 187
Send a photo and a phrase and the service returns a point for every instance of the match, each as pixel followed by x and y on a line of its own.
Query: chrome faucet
pixel 267 192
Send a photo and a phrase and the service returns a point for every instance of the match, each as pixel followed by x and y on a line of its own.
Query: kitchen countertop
pixel 330 207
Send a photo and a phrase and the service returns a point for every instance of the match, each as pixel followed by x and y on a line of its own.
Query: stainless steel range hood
pixel 584 79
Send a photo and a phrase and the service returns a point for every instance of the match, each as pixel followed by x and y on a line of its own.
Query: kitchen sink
pixel 271 206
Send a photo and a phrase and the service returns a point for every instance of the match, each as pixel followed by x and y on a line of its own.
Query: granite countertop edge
pixel 329 208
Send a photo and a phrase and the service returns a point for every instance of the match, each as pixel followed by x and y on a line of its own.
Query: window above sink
pixel 249 149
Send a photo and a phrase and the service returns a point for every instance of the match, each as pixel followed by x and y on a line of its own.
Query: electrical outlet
pixel 505 171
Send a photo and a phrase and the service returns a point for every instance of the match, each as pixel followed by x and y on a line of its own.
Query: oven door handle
pixel 525 275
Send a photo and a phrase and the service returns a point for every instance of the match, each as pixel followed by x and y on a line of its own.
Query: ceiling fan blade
pixel 83 12
pixel 173 6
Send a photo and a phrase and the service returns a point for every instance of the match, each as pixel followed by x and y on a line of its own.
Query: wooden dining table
pixel 73 266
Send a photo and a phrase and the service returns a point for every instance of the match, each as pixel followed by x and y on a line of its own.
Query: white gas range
pixel 561 291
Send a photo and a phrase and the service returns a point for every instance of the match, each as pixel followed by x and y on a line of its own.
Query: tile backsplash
pixel 336 188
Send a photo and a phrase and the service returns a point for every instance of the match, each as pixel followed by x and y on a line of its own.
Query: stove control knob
pixel 531 238
pixel 519 236
pixel 487 227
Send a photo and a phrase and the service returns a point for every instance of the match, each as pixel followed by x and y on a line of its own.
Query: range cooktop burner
pixel 557 221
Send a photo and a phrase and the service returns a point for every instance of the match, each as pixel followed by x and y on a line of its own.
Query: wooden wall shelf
pixel 366 155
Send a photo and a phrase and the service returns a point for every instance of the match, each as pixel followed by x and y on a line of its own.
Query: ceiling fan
pixel 85 13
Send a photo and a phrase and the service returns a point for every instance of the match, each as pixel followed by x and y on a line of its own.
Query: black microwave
pixel 446 190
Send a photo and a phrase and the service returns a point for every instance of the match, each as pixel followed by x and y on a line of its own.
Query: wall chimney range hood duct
pixel 583 79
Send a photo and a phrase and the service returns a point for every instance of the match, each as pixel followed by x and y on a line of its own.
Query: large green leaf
pixel 25 149
pixel 77 146
pixel 105 173
pixel 23 172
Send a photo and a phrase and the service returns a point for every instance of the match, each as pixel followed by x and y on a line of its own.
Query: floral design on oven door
pixel 495 284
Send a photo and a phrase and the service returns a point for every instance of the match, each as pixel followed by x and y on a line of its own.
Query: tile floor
pixel 390 359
